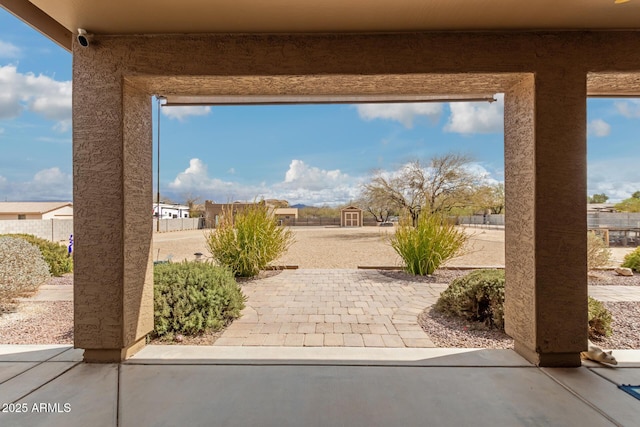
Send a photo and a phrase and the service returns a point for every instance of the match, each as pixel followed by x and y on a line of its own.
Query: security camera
pixel 83 38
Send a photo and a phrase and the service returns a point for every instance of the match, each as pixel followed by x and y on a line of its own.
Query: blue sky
pixel 313 154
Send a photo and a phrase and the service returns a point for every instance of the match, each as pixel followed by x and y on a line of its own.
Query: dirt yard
pixel 335 247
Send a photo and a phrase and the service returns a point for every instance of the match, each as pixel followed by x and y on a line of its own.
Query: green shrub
pixel 193 297
pixel 632 260
pixel 54 254
pixel 478 297
pixel 22 270
pixel 426 246
pixel 599 319
pixel 249 240
pixel 598 254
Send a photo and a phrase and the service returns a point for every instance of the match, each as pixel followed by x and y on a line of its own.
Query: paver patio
pixel 336 308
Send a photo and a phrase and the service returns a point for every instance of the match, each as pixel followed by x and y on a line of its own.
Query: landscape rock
pixel 624 271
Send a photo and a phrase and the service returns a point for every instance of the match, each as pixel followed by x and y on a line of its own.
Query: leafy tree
pixel 598 198
pixel 444 184
pixel 631 204
pixel 636 195
pixel 490 197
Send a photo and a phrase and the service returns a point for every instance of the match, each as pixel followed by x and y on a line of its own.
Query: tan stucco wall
pixel 545 76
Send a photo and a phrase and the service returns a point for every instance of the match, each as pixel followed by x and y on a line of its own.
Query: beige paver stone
pixel 275 340
pixel 353 340
pixel 229 341
pixel 289 328
pixel 255 339
pixel 412 334
pixel 237 333
pixel 355 310
pixel 418 342
pixel 332 318
pixel 316 318
pixel 359 328
pixel 378 328
pixel 372 340
pixel 313 340
pixel 271 328
pixel 392 341
pixel 342 328
pixel 324 328
pixel 333 340
pixel 349 318
pixel 306 328
pixel 294 340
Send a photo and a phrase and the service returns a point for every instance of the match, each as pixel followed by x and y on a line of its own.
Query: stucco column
pixel 545 185
pixel 112 195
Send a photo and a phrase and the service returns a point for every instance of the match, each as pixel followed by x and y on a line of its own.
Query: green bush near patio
pixel 632 260
pixel 599 319
pixel 55 254
pixel 247 241
pixel 193 297
pixel 22 270
pixel 426 246
pixel 479 297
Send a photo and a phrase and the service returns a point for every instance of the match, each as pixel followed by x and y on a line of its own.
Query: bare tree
pixel 192 201
pixel 445 183
pixel 376 206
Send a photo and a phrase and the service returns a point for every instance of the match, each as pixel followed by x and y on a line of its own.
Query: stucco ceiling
pixel 290 16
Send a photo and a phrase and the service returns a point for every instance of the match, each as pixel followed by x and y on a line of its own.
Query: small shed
pixel 351 216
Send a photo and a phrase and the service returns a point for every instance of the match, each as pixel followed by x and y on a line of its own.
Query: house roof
pixel 60 19
pixel 31 207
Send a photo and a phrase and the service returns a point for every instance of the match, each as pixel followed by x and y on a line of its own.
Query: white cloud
pixel 403 113
pixel 302 184
pixel 629 109
pixel 475 117
pixel 47 184
pixel 39 94
pixel 616 177
pixel 598 127
pixel 8 50
pixel 231 171
pixel 181 113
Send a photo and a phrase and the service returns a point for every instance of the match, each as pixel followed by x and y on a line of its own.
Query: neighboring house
pixel 168 211
pixel 36 210
pixel 351 216
pixel 601 207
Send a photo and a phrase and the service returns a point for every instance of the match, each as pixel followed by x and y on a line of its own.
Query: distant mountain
pixel 299 206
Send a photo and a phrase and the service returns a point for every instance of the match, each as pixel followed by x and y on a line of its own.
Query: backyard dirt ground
pixel 336 247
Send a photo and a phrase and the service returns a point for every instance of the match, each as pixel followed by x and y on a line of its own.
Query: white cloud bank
pixel 302 183
pixel 38 94
pixel 181 113
pixel 618 177
pixel 599 128
pixel 476 117
pixel 47 184
pixel 403 113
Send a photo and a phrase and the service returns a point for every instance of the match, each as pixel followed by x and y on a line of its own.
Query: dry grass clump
pixel 22 270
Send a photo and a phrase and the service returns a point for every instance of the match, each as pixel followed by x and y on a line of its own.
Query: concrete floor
pixel 281 386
